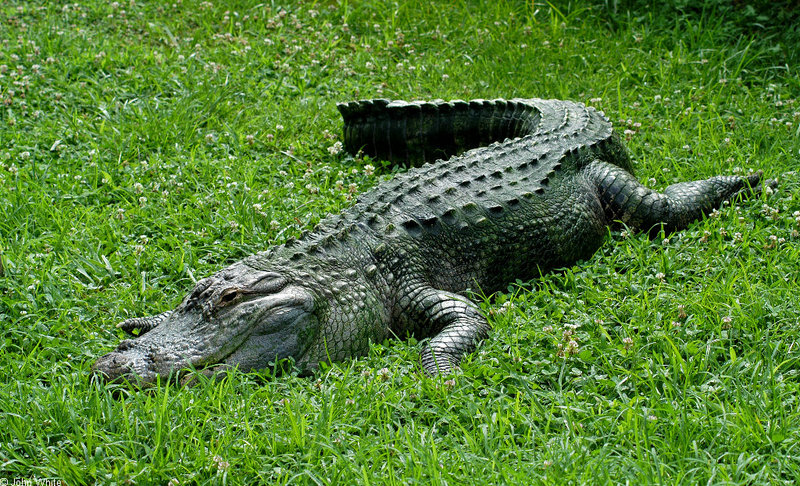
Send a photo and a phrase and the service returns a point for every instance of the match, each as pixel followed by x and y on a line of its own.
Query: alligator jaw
pixel 116 367
pixel 130 364
pixel 124 363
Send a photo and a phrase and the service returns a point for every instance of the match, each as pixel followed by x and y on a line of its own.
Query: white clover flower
pixel 572 347
pixel 336 148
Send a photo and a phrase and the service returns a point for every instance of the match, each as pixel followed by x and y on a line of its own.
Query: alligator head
pixel 238 317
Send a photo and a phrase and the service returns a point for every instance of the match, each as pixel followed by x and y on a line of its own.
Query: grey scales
pixel 523 186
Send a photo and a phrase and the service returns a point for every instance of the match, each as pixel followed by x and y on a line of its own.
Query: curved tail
pixel 423 131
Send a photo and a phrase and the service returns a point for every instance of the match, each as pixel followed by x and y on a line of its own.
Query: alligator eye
pixel 228 297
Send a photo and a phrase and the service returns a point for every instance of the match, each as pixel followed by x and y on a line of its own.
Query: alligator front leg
pixel 625 199
pixel 455 324
pixel 143 324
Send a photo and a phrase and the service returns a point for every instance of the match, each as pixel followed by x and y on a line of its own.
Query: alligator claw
pixel 136 326
pixel 753 185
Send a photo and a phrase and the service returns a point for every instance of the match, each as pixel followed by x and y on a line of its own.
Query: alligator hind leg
pixel 625 199
pixel 456 324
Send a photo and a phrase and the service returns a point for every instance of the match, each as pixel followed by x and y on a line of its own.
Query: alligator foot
pixel 136 326
pixel 456 324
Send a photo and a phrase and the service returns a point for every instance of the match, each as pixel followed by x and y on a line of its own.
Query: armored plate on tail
pixel 521 187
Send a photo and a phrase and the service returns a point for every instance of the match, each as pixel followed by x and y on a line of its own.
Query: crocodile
pixel 498 190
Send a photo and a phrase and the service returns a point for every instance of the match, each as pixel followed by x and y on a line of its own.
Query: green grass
pixel 146 145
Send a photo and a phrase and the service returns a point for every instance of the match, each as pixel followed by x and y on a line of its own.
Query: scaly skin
pixel 542 181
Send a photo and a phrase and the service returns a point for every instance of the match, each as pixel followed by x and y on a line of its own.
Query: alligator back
pixel 495 212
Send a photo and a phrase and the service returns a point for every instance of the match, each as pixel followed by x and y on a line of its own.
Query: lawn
pixel 145 145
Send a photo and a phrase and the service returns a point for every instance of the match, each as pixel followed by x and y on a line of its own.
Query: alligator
pixel 520 187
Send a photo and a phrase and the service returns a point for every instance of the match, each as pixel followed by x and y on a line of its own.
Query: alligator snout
pixel 112 367
pixel 123 363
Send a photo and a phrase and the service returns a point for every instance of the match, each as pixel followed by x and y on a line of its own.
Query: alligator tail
pixel 423 131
